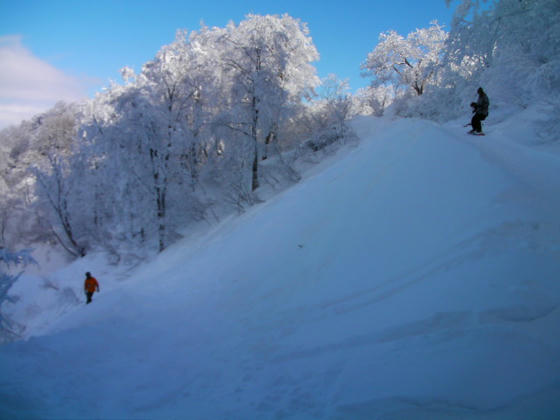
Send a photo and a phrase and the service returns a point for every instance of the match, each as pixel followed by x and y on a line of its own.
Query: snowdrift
pixel 413 276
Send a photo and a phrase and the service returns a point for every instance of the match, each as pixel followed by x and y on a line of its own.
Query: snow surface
pixel 414 276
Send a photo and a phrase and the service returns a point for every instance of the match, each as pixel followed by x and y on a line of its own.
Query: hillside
pixel 412 276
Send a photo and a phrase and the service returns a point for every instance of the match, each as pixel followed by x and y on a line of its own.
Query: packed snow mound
pixel 413 276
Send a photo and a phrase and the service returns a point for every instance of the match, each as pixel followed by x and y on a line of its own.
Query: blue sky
pixel 88 42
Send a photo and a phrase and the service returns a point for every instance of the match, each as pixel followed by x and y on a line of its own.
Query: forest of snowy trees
pixel 221 112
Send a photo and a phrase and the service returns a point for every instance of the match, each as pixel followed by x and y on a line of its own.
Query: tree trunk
pixel 161 211
pixel 160 189
pixel 255 180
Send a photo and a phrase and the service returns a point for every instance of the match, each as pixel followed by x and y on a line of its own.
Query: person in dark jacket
pixel 480 110
pixel 90 286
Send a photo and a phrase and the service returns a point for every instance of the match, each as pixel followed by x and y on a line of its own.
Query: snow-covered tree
pixel 373 100
pixel 57 209
pixel 510 46
pixel 329 113
pixel 406 62
pixel 145 141
pixel 14 183
pixel 142 159
pixel 34 144
pixel 10 260
pixel 268 61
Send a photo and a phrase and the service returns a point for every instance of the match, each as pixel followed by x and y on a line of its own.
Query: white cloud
pixel 29 85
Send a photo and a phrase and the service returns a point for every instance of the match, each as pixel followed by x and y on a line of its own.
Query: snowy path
pixel 415 277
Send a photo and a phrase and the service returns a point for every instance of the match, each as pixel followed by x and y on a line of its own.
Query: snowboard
pixel 476 134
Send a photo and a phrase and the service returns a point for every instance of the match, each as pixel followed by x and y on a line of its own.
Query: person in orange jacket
pixel 90 286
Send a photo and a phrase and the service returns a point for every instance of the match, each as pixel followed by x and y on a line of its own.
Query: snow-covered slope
pixel 415 276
